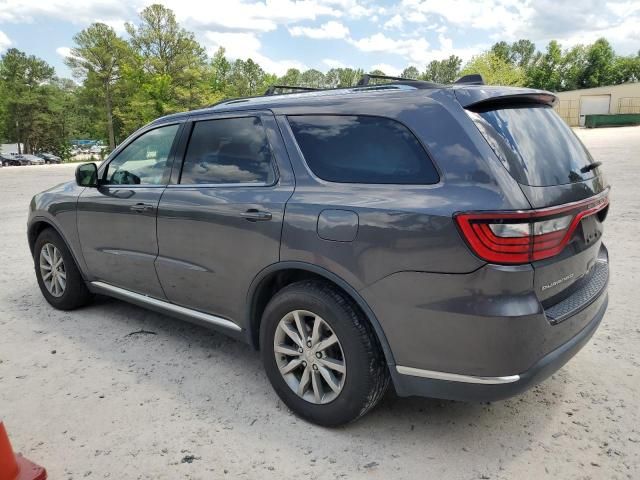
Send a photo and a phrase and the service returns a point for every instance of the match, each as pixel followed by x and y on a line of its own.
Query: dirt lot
pixel 84 398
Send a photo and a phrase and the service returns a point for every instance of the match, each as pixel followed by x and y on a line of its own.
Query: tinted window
pixel 358 149
pixel 535 144
pixel 231 150
pixel 144 160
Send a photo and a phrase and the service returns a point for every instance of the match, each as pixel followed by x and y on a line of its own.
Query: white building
pixel 575 104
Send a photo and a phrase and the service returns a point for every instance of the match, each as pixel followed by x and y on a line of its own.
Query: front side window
pixel 229 150
pixel 362 149
pixel 143 161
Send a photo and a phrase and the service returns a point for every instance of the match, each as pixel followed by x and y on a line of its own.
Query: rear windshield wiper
pixel 591 166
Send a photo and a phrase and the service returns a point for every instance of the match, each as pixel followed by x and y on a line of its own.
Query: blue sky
pixel 386 34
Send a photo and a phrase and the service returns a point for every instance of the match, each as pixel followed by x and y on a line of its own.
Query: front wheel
pixel 58 276
pixel 321 355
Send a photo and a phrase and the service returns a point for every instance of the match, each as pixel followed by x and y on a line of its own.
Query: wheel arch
pixel 37 225
pixel 276 276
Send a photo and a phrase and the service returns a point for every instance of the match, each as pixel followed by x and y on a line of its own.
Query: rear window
pixel 362 149
pixel 535 145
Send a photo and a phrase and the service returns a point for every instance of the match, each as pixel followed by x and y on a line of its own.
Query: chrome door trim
pixel 170 308
pixel 456 377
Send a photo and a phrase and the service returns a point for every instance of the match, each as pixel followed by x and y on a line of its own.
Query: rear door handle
pixel 141 207
pixel 254 215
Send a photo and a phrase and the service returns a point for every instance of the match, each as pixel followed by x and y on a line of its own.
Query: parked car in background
pixel 6 160
pixel 97 149
pixel 49 157
pixel 28 159
pixel 445 238
pixel 11 159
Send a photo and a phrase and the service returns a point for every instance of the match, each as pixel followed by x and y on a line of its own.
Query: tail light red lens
pixel 527 235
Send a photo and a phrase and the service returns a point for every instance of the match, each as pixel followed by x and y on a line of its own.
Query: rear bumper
pixel 484 335
pixel 470 388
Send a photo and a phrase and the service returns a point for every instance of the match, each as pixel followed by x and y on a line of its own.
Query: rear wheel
pixel 58 276
pixel 321 355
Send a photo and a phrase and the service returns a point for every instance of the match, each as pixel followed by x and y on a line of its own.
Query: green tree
pixel 626 69
pixel 495 70
pixel 443 71
pixel 24 82
pixel 599 65
pixel 98 58
pixel 522 53
pixel 174 63
pixel 292 78
pixel 410 72
pixel 545 73
pixel 312 78
pixel 220 68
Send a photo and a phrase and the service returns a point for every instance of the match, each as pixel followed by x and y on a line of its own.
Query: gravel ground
pixel 84 397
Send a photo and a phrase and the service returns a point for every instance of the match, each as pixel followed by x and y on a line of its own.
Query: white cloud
pixel 416 50
pixel 329 30
pixel 412 48
pixel 394 22
pixel 332 63
pixel 244 15
pixel 77 12
pixel 416 16
pixel 5 42
pixel 247 45
pixel 63 51
pixel 387 69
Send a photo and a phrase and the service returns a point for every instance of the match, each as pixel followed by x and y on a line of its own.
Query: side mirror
pixel 87 175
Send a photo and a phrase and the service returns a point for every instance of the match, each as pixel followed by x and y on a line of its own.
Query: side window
pixel 143 161
pixel 362 149
pixel 230 150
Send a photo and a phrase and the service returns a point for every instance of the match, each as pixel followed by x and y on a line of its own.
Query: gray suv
pixel 446 239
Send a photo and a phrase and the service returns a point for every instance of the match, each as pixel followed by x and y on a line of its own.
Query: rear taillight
pixel 526 235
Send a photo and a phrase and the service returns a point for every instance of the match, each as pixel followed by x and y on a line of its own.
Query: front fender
pixel 57 208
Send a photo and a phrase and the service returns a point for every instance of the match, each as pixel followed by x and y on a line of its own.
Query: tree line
pixel 122 84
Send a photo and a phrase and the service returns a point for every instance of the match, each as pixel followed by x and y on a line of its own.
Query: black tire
pixel 75 293
pixel 367 376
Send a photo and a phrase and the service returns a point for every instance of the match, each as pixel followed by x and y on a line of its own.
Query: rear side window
pixel 229 150
pixel 535 145
pixel 362 149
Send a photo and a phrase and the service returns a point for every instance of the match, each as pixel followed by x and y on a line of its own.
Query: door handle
pixel 141 207
pixel 254 215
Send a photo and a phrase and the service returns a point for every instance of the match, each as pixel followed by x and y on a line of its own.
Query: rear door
pixel 219 222
pixel 117 220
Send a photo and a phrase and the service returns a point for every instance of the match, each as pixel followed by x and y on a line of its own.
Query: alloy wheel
pixel 52 270
pixel 309 356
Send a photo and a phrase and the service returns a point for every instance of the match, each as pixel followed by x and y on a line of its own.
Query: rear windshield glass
pixel 535 145
pixel 362 149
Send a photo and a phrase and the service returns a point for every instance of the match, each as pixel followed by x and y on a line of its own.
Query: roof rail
pixel 366 80
pixel 471 79
pixel 274 89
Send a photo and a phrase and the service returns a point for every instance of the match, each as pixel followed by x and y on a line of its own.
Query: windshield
pixel 535 145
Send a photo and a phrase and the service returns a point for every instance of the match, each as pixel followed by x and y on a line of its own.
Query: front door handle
pixel 254 215
pixel 141 207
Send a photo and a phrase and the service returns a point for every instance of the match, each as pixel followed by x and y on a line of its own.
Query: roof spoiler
pixel 471 79
pixel 501 97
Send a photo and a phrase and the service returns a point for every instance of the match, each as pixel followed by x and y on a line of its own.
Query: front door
pixel 220 224
pixel 117 220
